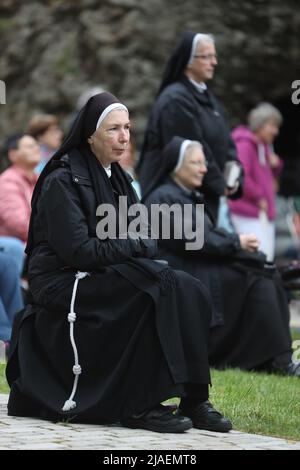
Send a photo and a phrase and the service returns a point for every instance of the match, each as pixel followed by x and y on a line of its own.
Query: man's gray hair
pixel 263 113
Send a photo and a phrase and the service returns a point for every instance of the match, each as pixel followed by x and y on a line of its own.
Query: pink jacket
pixel 259 180
pixel 16 190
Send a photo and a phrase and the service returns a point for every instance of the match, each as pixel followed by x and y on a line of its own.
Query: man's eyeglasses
pixel 206 57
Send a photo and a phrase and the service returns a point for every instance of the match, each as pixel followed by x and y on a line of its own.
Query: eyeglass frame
pixel 204 163
pixel 206 57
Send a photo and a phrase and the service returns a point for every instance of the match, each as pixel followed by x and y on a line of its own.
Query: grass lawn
pixel 3 384
pixel 256 403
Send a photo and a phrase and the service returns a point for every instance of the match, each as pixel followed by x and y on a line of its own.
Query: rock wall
pixel 50 51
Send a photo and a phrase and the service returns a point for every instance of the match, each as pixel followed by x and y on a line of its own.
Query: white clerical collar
pixel 107 170
pixel 200 86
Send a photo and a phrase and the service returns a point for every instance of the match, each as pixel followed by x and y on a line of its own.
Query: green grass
pixel 259 403
pixel 296 334
pixel 256 403
pixel 3 384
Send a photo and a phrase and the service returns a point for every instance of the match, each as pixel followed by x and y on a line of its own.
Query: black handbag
pixel 290 275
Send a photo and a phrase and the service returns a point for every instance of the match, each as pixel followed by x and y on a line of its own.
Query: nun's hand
pixel 249 242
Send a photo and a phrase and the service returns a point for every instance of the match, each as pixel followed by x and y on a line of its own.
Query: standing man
pixel 185 107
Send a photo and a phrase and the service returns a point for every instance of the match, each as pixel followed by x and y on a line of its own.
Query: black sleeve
pixel 178 118
pixel 68 234
pixel 231 148
pixel 217 242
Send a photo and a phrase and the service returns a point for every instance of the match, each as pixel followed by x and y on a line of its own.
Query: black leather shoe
pixel 291 369
pixel 205 416
pixel 160 419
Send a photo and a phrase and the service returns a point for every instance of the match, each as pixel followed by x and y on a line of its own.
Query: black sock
pixel 283 359
pixel 196 394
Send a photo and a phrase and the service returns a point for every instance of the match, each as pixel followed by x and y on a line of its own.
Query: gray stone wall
pixel 50 51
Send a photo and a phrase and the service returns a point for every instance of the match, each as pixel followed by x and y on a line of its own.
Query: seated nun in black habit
pixel 109 333
pixel 250 322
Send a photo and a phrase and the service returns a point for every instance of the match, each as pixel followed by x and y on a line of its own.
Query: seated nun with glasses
pixel 250 322
pixel 110 333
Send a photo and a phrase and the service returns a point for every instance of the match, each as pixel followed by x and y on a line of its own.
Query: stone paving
pixel 34 434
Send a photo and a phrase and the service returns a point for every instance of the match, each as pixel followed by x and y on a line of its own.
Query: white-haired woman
pixel 255 211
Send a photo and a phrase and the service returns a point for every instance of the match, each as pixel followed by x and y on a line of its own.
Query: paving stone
pixel 29 434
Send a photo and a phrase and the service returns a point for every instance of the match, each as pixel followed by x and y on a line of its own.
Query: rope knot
pixel 71 317
pixel 77 369
pixel 69 405
pixel 81 275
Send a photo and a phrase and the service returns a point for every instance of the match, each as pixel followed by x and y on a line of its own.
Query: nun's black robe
pixel 250 325
pixel 180 109
pixel 141 331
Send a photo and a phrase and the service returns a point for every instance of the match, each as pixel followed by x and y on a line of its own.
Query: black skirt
pixel 256 320
pixel 137 345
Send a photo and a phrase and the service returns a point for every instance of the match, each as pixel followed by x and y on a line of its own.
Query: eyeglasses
pixel 206 57
pixel 203 163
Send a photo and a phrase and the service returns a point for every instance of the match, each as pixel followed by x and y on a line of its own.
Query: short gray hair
pixel 263 113
pixel 194 144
